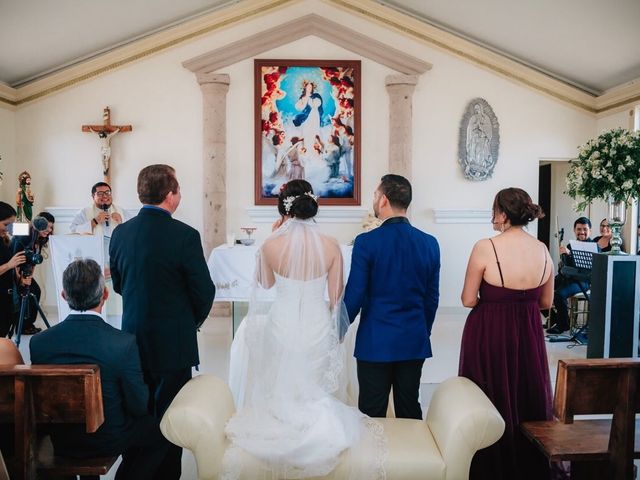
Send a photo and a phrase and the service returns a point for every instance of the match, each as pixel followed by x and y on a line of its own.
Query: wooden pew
pixel 50 394
pixel 597 449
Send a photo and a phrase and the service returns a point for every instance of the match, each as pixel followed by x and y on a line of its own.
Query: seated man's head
pixel 101 194
pixel 582 229
pixel 83 285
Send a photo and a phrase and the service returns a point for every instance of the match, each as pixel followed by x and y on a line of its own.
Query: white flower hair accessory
pixel 288 201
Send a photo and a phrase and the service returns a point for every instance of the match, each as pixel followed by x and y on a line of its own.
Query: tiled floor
pixel 215 339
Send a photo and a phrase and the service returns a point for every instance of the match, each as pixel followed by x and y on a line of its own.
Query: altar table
pixel 232 270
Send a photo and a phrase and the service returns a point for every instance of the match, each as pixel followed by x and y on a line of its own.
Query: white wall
pixel 622 119
pixel 163 102
pixel 7 152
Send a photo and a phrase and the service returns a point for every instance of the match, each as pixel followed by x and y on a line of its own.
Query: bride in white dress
pixel 286 369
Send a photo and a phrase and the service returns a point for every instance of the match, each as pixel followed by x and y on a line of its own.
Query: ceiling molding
pixel 301 27
pixel 136 50
pixel 8 96
pixel 609 102
pixel 619 97
pixel 488 59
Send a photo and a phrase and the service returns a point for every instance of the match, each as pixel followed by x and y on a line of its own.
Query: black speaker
pixel 614 308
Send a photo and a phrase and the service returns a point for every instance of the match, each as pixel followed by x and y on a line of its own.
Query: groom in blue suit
pixel 394 285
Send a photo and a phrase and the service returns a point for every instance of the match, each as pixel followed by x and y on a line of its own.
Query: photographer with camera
pixel 9 260
pixel 31 246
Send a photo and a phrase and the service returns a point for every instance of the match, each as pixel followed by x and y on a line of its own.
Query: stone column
pixel 400 88
pixel 214 150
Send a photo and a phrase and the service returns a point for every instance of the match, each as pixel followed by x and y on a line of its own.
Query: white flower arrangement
pixel 288 201
pixel 607 167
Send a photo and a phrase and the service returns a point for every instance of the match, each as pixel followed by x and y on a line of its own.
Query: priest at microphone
pixel 102 216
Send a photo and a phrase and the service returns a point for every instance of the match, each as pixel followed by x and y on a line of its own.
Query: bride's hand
pixel 277 224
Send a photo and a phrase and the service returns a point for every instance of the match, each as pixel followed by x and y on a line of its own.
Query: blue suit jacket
pixel 394 282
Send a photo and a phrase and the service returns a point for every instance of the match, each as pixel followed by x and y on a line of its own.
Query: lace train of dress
pixel 286 372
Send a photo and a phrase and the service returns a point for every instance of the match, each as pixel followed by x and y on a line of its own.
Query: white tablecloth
pixel 232 270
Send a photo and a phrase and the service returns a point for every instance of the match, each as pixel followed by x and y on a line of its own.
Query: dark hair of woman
pixel 303 206
pixel 44 241
pixel 6 211
pixel 517 205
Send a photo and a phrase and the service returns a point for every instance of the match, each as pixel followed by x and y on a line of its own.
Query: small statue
pixel 24 198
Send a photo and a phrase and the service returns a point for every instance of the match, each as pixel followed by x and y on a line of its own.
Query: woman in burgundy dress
pixel 509 279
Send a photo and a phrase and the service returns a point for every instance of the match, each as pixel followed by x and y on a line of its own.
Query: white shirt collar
pixel 87 312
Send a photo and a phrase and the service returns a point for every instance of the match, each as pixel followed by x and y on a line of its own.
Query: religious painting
pixel 307 126
pixel 479 140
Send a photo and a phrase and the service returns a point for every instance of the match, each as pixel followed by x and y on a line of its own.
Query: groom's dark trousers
pixel 376 379
pixel 394 285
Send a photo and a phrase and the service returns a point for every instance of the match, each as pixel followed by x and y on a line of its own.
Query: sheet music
pixel 584 246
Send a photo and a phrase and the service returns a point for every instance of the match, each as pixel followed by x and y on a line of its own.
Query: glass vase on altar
pixel 617 217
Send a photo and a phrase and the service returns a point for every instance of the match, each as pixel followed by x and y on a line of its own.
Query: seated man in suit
pixel 85 338
pixel 566 287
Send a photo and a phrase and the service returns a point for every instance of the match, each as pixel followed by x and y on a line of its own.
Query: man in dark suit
pixel 394 283
pixel 158 266
pixel 84 337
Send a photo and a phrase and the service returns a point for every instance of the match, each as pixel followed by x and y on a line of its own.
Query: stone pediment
pixel 307 25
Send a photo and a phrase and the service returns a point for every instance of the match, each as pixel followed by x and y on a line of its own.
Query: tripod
pixel 25 295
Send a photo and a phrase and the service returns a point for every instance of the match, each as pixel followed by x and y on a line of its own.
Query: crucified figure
pixel 105 147
pixel 105 132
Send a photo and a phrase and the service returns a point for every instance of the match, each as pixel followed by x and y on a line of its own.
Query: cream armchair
pixel 460 421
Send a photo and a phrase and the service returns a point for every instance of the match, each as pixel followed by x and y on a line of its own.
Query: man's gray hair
pixel 83 284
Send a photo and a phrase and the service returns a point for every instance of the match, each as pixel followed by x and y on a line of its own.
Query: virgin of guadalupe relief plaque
pixel 479 140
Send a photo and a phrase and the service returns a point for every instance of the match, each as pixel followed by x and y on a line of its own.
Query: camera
pixel 33 258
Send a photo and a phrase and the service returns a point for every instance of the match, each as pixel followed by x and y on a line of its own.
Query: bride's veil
pixel 302 258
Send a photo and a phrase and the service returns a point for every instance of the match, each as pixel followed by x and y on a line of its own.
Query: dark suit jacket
pixel 158 266
pixel 82 339
pixel 394 280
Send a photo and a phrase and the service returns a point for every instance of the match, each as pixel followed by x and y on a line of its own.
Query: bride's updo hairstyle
pixel 296 199
pixel 517 205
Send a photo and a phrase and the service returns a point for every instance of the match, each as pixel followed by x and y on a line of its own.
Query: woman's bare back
pixel 524 261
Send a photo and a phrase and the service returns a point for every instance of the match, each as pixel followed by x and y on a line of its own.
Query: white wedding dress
pixel 286 373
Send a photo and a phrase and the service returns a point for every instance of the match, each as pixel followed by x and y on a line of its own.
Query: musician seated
pixel 566 287
pixel 604 239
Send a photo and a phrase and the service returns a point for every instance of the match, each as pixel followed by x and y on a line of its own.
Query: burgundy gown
pixel 504 353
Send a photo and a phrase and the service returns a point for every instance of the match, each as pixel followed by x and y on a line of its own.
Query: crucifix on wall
pixel 105 132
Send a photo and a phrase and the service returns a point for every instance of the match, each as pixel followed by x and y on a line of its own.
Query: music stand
pixel 582 260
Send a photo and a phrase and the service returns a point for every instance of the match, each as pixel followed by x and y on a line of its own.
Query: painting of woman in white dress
pixel 314 102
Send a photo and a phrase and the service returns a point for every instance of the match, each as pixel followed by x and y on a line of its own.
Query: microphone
pixel 40 224
pixel 105 207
